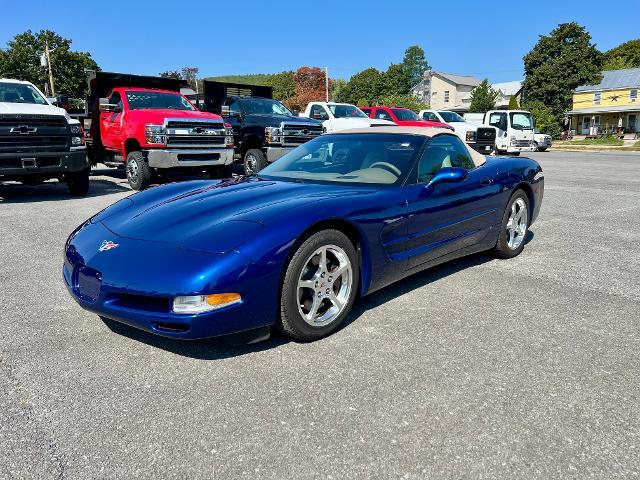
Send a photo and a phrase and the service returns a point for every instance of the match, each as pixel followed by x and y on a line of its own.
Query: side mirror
pixel 225 112
pixel 447 175
pixel 105 106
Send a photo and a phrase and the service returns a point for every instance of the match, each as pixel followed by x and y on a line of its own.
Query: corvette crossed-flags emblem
pixel 107 245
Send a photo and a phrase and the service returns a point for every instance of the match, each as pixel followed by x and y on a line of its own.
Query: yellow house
pixel 611 106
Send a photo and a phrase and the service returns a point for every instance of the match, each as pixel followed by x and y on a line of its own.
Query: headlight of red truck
pixel 155 134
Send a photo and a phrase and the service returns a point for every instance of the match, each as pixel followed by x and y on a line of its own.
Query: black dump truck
pixel 263 128
pixel 39 141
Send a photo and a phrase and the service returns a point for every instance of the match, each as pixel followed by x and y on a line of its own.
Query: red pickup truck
pixel 402 116
pixel 150 129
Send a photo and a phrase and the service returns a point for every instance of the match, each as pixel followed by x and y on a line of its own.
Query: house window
pixel 446 96
pixel 596 98
pixel 633 95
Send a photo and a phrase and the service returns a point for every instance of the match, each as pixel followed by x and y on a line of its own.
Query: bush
pixel 546 121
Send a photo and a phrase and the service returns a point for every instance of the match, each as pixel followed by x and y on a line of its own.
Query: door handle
pixel 486 181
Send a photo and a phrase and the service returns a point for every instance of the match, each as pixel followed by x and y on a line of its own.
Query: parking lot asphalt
pixel 481 368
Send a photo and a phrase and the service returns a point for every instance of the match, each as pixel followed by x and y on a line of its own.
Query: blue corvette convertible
pixel 294 246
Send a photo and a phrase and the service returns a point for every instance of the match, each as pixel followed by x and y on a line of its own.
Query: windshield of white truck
pixel 404 114
pixel 521 121
pixel 451 117
pixel 141 100
pixel 20 93
pixel 263 106
pixel 346 111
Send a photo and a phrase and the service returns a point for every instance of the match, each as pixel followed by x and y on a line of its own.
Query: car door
pixel 383 114
pixel 234 118
pixel 445 217
pixel 319 113
pixel 111 124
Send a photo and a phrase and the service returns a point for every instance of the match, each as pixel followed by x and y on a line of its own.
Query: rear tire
pixel 318 289
pixel 514 227
pixel 138 171
pixel 78 182
pixel 254 161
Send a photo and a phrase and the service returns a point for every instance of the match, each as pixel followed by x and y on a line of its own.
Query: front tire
pixel 254 161
pixel 138 171
pixel 78 182
pixel 535 147
pixel 514 227
pixel 320 286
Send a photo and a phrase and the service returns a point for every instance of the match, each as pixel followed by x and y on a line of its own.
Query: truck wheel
pixel 254 161
pixel 78 182
pixel 535 147
pixel 138 171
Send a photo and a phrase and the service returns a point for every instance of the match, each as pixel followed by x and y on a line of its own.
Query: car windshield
pixel 20 93
pixel 451 117
pixel 521 120
pixel 343 111
pixel 404 114
pixel 366 158
pixel 263 105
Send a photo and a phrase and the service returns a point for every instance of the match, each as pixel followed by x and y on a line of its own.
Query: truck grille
pixel 523 143
pixel 195 133
pixel 32 133
pixel 299 134
pixel 486 135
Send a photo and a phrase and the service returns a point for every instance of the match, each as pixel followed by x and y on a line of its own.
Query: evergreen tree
pixel 483 98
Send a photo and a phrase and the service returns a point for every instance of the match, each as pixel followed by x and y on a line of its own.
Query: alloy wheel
pixel 132 170
pixel 324 285
pixel 517 224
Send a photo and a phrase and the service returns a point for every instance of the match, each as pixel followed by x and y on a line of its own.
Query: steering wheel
pixel 395 170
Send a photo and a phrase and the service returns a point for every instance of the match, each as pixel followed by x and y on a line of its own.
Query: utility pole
pixel 326 82
pixel 46 52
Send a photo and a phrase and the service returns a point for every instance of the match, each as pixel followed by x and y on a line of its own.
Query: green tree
pixel 558 63
pixel 395 80
pixel 190 74
pixel 616 63
pixel 337 86
pixel 171 74
pixel 365 87
pixel 483 98
pixel 283 85
pixel 627 53
pixel 404 100
pixel 513 103
pixel 545 119
pixel 21 60
pixel 414 64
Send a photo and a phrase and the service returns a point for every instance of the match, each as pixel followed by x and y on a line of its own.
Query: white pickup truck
pixel 480 138
pixel 515 129
pixel 340 116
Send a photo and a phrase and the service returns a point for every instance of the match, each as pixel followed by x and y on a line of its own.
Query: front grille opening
pixel 141 302
pixel 194 157
pixel 170 327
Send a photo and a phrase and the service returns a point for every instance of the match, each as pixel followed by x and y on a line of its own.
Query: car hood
pixel 274 120
pixel 30 109
pixel 182 212
pixel 153 115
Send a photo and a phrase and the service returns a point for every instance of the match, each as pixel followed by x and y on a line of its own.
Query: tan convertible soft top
pixel 478 158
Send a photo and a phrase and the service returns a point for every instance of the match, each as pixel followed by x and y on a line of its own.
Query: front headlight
pixel 77 141
pixel 273 135
pixel 75 128
pixel 155 134
pixel 204 303
pixel 471 136
pixel 228 138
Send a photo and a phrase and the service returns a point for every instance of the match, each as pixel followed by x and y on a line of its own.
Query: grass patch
pixel 612 141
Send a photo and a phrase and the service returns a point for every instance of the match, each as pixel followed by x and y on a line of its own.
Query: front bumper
pixel 131 285
pixel 515 149
pixel 209 157
pixel 485 148
pixel 43 163
pixel 274 153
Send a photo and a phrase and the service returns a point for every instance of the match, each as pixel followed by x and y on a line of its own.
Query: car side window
pixel 318 113
pixel 115 99
pixel 443 151
pixel 430 116
pixel 382 115
pixel 498 120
